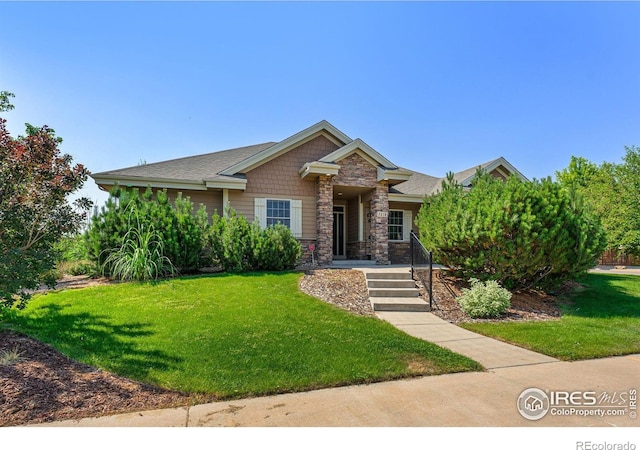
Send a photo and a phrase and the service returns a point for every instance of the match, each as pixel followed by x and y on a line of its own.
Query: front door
pixel 339 247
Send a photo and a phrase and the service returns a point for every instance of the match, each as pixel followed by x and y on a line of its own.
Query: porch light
pixel 339 193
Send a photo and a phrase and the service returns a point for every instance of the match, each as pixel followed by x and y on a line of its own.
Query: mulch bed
pixel 44 386
pixel 345 288
pixel 527 305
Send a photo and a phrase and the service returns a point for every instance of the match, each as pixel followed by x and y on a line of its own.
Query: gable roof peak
pixel 321 128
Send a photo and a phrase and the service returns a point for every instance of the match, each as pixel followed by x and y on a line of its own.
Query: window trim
pixel 295 213
pixel 407 220
pixel 402 229
pixel 266 212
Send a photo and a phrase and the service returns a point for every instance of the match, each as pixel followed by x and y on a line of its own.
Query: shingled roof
pixel 191 168
pixel 226 169
pixel 417 184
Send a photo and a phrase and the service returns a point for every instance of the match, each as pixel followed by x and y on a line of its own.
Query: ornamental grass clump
pixel 141 255
pixel 484 300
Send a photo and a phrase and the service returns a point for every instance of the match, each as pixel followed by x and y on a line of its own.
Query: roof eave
pixel 393 175
pixel 407 198
pixel 316 168
pixel 134 181
pixel 238 184
pixel 353 146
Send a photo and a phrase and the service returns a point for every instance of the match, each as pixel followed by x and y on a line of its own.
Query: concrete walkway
pixel 489 352
pixel 492 354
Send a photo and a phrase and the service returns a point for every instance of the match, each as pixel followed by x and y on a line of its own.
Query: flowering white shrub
pixel 484 299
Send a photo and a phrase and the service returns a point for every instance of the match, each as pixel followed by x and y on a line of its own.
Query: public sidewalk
pixel 466 399
pixel 628 270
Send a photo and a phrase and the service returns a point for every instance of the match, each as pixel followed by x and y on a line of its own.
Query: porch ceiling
pixel 349 192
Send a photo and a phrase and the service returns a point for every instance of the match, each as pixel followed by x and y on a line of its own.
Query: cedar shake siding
pixel 211 199
pixel 280 176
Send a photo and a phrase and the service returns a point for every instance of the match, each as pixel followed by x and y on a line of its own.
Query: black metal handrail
pixel 421 258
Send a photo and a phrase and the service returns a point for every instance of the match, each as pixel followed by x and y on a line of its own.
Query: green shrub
pixel 72 248
pixel 109 225
pixel 231 240
pixel 277 249
pixel 237 245
pixel 82 267
pixel 181 232
pixel 522 234
pixel 484 299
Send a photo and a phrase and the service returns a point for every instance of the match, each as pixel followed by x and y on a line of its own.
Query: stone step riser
pixel 389 276
pixel 391 284
pixel 398 305
pixel 404 292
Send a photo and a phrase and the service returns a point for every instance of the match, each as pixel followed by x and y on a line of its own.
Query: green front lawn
pixel 601 320
pixel 228 335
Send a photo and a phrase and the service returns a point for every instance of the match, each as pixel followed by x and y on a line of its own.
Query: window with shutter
pixel 269 212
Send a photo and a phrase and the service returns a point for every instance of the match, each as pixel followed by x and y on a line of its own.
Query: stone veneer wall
pixel 357 250
pixel 324 211
pixel 380 225
pixel 354 171
pixel 399 253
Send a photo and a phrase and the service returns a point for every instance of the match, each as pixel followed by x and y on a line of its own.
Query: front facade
pixel 341 198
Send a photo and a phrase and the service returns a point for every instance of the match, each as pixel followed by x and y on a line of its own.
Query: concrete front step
pixel 406 304
pixel 395 292
pixel 380 275
pixel 391 283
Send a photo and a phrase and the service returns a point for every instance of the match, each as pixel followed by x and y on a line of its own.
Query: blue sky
pixel 434 86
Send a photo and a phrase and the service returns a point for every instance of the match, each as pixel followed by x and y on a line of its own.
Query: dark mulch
pixel 43 385
pixel 526 305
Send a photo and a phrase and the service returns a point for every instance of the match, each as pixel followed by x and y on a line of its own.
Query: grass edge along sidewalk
pixel 228 336
pixel 599 320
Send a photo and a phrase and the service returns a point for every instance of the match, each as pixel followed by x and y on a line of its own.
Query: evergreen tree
pixel 521 234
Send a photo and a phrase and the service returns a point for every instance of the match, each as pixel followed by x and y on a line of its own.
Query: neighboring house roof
pixel 226 169
pixel 464 177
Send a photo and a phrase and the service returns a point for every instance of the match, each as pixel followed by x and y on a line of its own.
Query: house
pixel 334 192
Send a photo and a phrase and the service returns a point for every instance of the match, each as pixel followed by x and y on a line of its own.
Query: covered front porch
pixel 352 236
pixel 352 222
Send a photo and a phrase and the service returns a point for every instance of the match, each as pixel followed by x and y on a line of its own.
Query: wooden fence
pixel 611 258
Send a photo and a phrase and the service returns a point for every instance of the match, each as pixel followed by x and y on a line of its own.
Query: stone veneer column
pixel 324 211
pixel 380 225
